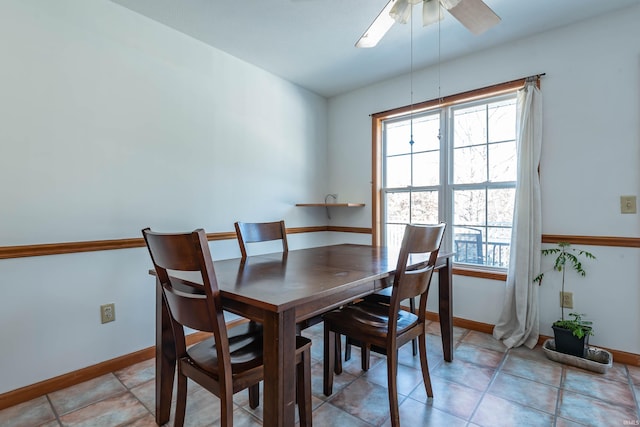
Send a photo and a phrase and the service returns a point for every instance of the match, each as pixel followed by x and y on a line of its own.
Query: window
pixel 454 162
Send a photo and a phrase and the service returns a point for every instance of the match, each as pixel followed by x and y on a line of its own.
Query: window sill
pixel 480 273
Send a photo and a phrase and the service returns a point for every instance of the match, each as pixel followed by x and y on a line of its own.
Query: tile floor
pixel 484 386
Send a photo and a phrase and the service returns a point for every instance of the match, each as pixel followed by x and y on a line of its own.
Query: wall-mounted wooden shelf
pixel 328 205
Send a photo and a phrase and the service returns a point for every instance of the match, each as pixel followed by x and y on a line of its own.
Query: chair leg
pixel 303 388
pixel 329 360
pixel 392 375
pixel 365 355
pixel 226 408
pixel 338 355
pixel 181 400
pixel 347 348
pixel 424 364
pixel 254 396
pixel 414 342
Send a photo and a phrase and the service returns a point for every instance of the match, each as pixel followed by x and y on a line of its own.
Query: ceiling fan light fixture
pixel 431 12
pixel 448 4
pixel 401 11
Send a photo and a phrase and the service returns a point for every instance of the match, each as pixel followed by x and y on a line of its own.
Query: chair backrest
pixel 422 243
pixel 252 232
pixel 196 308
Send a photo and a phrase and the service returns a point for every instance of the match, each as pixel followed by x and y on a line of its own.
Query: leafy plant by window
pixel 566 258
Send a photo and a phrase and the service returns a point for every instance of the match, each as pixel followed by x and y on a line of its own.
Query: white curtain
pixel 518 323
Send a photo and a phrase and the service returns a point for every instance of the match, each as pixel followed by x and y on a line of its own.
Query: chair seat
pixel 245 348
pixel 368 319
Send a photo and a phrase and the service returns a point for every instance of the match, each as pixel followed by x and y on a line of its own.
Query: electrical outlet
pixel 628 204
pixel 108 313
pixel 566 299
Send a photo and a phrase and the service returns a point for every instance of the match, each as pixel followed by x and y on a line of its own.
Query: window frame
pixel 377 196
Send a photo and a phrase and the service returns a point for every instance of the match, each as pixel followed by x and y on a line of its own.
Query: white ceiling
pixel 311 42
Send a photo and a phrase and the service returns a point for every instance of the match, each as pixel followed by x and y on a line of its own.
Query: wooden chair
pixel 384 297
pixel 385 327
pixel 253 232
pixel 231 360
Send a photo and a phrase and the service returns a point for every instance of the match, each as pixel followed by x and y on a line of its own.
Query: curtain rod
pixel 462 95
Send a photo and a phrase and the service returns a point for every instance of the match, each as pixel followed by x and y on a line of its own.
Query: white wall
pixel 591 156
pixel 111 123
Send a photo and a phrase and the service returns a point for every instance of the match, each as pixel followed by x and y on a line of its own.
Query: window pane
pixel 398 207
pixel 394 235
pixel 498 247
pixel 397 136
pixel 425 133
pixel 468 244
pixel 470 165
pixel 424 209
pixel 502 120
pixel 503 162
pixel 500 206
pixel 398 171
pixel 470 126
pixel 469 207
pixel 426 169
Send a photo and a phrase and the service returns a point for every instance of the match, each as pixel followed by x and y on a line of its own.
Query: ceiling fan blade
pixel 431 12
pixel 378 27
pixel 473 14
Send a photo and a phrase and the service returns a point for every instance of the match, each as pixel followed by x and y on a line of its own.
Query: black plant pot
pixel 568 343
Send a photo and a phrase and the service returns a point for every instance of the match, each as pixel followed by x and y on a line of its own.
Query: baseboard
pixel 60 382
pixel 618 356
pixel 41 388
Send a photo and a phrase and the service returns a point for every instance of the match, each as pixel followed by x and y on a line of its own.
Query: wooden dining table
pixel 280 290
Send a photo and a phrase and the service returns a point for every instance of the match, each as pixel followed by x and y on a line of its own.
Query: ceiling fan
pixel 473 14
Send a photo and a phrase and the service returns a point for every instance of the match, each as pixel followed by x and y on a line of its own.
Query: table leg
pixel 445 309
pixel 165 359
pixel 279 369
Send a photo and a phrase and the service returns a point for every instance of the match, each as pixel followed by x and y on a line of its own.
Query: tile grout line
pixel 633 391
pixel 53 409
pixel 486 391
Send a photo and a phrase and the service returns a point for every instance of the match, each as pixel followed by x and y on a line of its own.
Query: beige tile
pixel 525 392
pixel 478 355
pixel 583 409
pixel 596 386
pixel 32 413
pixel 484 340
pixel 497 412
pixel 87 393
pixel 634 373
pixel 467 374
pixel 365 400
pixel 146 394
pixel 413 413
pixel 137 374
pixel 544 371
pixel 449 397
pixel 407 378
pixel 113 411
pixel 329 415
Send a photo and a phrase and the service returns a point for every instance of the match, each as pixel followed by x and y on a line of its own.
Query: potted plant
pixel 571 335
